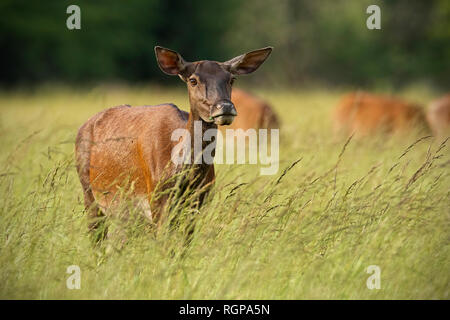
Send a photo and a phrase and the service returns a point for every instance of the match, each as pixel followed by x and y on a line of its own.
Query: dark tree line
pixel 315 41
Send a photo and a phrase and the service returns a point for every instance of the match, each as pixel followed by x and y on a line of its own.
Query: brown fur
pixel 252 111
pixel 127 145
pixel 130 147
pixel 364 114
pixel 438 116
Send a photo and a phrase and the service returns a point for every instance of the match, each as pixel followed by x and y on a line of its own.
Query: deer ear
pixel 248 62
pixel 170 61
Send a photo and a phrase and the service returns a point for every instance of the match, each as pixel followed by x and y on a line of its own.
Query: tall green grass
pixel 335 207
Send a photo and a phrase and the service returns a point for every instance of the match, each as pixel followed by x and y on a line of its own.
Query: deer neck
pixel 197 127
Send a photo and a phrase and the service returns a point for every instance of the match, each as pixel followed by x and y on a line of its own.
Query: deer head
pixel 209 83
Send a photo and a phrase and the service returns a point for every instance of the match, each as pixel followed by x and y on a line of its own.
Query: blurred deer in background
pixel 253 112
pixel 364 113
pixel 132 145
pixel 438 116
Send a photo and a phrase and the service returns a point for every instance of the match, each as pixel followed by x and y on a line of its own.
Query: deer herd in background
pixel 359 112
pixel 365 113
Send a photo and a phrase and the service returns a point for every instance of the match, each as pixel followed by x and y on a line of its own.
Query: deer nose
pixel 223 112
pixel 224 107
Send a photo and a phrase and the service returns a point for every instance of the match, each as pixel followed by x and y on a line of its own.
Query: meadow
pixel 335 207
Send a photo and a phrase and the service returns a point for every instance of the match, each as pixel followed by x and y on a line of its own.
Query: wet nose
pixel 224 107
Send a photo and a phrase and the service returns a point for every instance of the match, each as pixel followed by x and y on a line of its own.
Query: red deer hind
pixel 127 143
pixel 364 114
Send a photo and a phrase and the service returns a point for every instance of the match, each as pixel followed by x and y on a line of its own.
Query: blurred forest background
pixel 316 42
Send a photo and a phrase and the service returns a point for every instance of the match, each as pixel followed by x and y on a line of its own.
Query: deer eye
pixel 193 82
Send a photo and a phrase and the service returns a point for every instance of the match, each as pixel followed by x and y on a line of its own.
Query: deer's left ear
pixel 248 62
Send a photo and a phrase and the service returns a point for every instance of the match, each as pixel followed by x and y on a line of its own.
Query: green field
pixel 308 232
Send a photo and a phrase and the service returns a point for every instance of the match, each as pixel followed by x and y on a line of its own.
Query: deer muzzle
pixel 223 113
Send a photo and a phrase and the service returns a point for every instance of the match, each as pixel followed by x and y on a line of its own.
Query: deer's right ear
pixel 170 61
